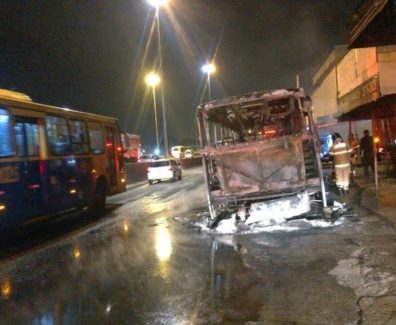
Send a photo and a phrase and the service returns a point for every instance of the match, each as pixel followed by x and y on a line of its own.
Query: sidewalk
pixel 382 202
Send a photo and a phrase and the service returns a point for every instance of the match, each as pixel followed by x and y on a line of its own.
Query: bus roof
pixel 19 100
pixel 14 95
pixel 252 98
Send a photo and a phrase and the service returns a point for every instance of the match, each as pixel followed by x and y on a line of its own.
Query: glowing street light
pixel 158 3
pixel 152 79
pixel 209 69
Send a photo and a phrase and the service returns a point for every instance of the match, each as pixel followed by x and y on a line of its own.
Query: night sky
pixel 90 55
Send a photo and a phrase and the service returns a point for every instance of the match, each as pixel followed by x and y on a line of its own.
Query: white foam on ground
pixel 228 226
pixel 277 211
pixel 271 217
pixel 325 224
pixel 275 228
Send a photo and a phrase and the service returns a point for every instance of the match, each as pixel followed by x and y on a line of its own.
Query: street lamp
pixel 210 68
pixel 157 4
pixel 152 79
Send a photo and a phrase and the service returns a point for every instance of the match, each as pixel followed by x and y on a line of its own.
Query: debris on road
pixel 229 222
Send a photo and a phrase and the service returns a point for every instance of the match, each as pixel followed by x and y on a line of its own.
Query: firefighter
pixel 342 165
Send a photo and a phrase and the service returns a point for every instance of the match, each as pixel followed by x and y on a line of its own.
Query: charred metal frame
pixel 269 149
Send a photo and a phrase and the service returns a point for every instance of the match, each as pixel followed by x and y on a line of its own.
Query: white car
pixel 163 169
pixel 188 154
pixel 148 158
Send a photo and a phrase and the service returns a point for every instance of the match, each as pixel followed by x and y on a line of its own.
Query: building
pixel 374 25
pixel 357 87
pixel 325 97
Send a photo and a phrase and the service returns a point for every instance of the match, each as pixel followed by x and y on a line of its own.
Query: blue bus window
pixel 27 137
pixel 96 137
pixel 20 139
pixel 32 139
pixel 78 135
pixel 6 147
pixel 58 135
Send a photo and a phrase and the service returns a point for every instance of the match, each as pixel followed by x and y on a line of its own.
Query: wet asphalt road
pixel 147 261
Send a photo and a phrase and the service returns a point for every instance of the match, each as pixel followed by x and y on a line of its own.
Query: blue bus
pixel 55 160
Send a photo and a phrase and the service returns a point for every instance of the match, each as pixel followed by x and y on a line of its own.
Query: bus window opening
pixel 58 135
pixel 79 138
pixel 96 137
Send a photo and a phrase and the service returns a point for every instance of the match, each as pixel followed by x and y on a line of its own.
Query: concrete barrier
pixel 137 172
pixel 190 163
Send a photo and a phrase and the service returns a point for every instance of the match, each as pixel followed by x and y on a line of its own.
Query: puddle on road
pixel 235 289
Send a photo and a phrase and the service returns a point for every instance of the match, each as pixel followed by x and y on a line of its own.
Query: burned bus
pixel 261 155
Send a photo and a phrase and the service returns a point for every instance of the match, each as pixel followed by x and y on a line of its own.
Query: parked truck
pixel 261 155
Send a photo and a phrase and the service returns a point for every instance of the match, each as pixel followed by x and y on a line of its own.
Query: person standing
pixel 353 143
pixel 342 162
pixel 367 153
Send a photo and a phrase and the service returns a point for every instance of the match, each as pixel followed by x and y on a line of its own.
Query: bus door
pixel 28 148
pixel 113 159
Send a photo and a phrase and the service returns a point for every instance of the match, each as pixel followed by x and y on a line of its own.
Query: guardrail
pixel 137 172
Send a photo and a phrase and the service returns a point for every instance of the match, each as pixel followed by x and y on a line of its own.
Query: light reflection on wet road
pixel 148 263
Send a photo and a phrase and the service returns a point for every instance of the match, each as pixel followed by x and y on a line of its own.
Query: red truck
pixel 133 153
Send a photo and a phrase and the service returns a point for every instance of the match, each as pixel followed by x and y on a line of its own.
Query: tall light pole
pixel 157 4
pixel 209 69
pixel 152 79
